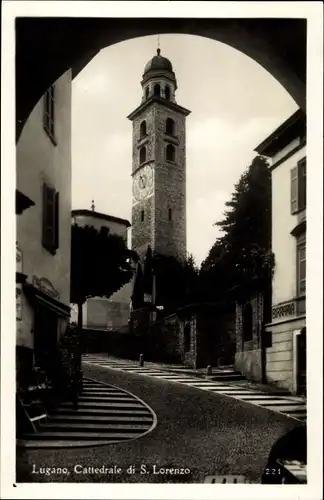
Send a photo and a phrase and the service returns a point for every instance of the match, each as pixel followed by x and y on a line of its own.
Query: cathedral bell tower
pixel 159 164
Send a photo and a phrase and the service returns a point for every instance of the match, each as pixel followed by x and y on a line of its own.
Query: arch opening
pixel 170 126
pixel 142 155
pixel 284 59
pixel 170 153
pixel 157 90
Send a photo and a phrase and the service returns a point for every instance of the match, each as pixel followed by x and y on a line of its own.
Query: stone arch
pixel 41 43
pixel 167 92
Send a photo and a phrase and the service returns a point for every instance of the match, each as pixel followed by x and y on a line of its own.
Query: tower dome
pixel 159 79
pixel 158 63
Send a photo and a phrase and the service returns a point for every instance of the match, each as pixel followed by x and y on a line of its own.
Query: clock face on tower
pixel 143 183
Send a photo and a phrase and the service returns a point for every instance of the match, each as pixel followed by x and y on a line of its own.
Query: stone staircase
pixel 105 414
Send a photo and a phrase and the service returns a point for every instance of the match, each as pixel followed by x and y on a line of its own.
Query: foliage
pixel 100 264
pixel 175 282
pixel 241 259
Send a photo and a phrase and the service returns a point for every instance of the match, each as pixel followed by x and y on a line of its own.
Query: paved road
pixel 196 430
pixel 290 406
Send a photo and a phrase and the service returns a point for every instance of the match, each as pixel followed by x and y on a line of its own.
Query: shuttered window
pixel 49 112
pixel 301 265
pixel 302 184
pixel 50 218
pixel 298 186
pixel 294 190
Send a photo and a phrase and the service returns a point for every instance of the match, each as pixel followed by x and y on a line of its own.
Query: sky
pixel 235 104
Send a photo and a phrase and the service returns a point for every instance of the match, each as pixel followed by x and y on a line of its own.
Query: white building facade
pixel 43 168
pixel 286 356
pixel 99 313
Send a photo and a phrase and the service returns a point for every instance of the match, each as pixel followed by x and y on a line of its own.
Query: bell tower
pixel 159 164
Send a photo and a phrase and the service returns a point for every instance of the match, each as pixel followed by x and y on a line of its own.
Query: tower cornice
pixel 168 104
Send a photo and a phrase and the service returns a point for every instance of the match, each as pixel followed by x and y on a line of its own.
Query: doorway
pixel 45 333
pixel 301 363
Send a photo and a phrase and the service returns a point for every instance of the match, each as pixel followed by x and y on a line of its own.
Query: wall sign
pixel 283 310
pixel 45 286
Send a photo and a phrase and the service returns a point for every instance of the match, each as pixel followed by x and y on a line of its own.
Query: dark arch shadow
pixel 47 47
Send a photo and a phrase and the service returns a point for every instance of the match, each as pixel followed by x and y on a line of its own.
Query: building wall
pixel 143 231
pixel 97 222
pixel 248 357
pixel 39 161
pixel 99 312
pixel 280 356
pixel 283 222
pixel 165 236
pixel 170 185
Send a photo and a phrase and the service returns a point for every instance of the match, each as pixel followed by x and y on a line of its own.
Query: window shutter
pixel 294 189
pixel 52 110
pixel 46 108
pixel 302 185
pixel 57 213
pixel 44 215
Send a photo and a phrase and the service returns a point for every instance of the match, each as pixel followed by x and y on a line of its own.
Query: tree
pixel 176 281
pixel 100 264
pixel 241 259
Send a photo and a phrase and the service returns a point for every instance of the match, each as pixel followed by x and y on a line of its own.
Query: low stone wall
pixel 189 353
pixel 249 363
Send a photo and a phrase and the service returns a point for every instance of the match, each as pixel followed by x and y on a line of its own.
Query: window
pixel 142 154
pixel 50 238
pixel 157 90
pixel 170 213
pixel 170 126
pixel 143 129
pixel 170 152
pixel 298 187
pixel 301 265
pixel 49 112
pixel 167 92
pixel 142 215
pixel 147 93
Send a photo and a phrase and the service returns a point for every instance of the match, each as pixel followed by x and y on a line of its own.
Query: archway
pixel 47 47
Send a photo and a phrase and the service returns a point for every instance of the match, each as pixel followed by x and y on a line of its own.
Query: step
pixel 100 418
pixel 87 404
pixel 287 408
pixel 285 402
pixel 100 388
pixel 109 436
pixel 108 399
pixel 100 394
pixel 98 427
pixel 113 412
